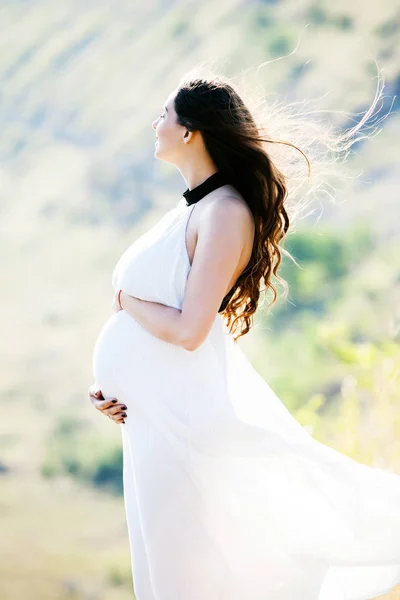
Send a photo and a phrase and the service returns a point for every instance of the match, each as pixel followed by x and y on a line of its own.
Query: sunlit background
pixel 81 83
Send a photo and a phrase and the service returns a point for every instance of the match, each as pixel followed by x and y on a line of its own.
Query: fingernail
pixel 123 408
pixel 124 414
pixel 114 401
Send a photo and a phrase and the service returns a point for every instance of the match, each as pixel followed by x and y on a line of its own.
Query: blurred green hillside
pixel 80 85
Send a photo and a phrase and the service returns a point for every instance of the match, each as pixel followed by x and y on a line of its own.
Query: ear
pixel 187 136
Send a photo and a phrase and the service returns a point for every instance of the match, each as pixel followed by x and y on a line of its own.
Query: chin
pixel 161 157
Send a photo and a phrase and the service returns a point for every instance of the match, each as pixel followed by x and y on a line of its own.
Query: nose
pixel 154 124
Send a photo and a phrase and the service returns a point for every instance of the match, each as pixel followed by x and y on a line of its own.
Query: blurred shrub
pixel 75 451
pixel 325 259
pixel 316 14
pixel 363 421
pixel 343 22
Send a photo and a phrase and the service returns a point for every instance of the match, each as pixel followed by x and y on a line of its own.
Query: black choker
pixel 213 182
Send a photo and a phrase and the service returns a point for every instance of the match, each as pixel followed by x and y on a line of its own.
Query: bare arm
pixel 220 243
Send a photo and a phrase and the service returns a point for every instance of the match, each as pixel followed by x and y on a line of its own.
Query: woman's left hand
pixel 115 305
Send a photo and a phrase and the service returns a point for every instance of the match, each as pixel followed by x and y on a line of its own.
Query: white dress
pixel 227 496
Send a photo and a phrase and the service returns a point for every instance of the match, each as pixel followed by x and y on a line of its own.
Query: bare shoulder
pixel 229 210
pixel 226 230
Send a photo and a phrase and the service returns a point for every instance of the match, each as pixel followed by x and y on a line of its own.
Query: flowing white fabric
pixel 227 496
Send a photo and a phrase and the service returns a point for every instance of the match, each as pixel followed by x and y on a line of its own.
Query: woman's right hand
pixel 111 408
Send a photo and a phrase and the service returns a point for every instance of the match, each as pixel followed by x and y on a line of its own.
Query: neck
pixel 207 186
pixel 195 174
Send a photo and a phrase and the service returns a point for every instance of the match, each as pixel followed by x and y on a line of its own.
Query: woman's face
pixel 169 145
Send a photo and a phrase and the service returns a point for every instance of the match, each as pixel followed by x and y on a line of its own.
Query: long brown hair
pixel 233 136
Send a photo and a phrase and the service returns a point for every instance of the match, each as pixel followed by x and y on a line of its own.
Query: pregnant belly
pixel 120 341
pixel 127 358
pixel 175 389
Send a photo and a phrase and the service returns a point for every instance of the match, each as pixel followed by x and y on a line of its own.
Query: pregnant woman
pixel 227 496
